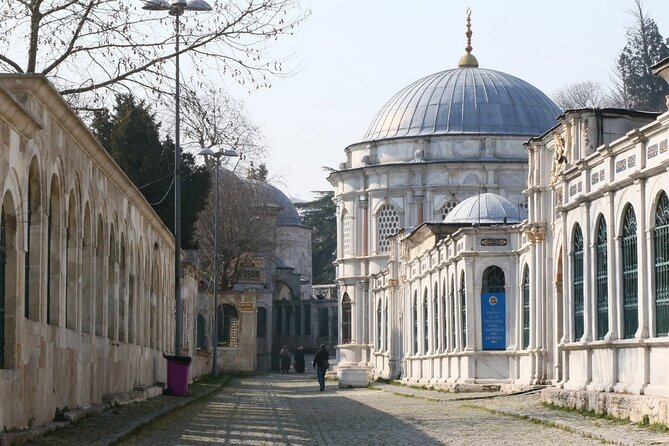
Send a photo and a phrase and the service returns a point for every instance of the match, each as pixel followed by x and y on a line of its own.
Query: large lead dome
pixel 465 100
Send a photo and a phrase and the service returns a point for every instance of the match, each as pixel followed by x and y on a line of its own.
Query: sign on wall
pixel 493 321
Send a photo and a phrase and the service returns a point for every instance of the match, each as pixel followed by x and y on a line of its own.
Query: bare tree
pixel 582 95
pixel 93 46
pixel 212 118
pixel 245 228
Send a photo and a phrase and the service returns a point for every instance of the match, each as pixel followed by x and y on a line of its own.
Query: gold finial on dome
pixel 468 59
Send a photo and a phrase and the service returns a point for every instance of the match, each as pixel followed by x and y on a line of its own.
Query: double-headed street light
pixel 177 8
pixel 217 153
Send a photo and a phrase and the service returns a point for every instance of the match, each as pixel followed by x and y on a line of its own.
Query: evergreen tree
pixel 131 136
pixel 636 86
pixel 320 214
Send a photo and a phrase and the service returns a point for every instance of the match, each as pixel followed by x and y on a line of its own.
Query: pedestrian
pixel 284 359
pixel 299 359
pixel 321 362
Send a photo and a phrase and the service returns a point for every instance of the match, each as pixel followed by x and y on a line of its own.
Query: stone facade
pixel 87 299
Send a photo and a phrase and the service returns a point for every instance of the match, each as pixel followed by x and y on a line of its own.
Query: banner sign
pixel 493 321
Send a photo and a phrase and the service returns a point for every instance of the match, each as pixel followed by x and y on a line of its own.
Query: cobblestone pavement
pixel 289 410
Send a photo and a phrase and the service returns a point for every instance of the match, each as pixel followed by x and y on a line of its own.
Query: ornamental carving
pixel 536 235
pixel 392 283
pixel 560 159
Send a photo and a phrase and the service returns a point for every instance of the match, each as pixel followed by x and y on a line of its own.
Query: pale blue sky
pixel 351 56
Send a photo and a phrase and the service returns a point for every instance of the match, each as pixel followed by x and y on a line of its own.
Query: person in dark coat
pixel 284 359
pixel 299 359
pixel 321 362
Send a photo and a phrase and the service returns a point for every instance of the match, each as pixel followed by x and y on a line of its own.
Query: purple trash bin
pixel 177 374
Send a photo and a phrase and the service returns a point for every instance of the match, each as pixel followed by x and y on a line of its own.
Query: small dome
pixel 486 209
pixel 465 100
pixel 288 215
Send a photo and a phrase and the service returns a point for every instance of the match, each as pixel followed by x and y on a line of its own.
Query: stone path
pixel 289 410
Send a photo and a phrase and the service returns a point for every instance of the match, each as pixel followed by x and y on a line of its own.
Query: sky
pixel 351 56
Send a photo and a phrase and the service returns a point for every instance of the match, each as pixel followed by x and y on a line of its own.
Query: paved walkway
pixel 289 410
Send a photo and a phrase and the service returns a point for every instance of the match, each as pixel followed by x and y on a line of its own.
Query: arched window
pixel 347 233
pixel 426 324
pixel 435 318
pixel 53 269
pixel 526 307
pixel 387 221
pixel 261 323
pixel 463 311
pixel 454 310
pixel 601 273
pixel 415 322
pixel 630 275
pixel 99 280
pixel 662 266
pixel 228 326
pixel 346 319
pixel 493 280
pixel 385 326
pixel 444 317
pixel 378 325
pixel 577 290
pixel 448 207
pixel 33 256
pixel 3 276
pixel 88 259
pixel 71 264
pixel 201 331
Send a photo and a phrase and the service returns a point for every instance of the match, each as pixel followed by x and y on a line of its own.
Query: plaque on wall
pixel 246 306
pixel 493 242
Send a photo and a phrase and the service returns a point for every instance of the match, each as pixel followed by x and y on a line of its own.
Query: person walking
pixel 321 362
pixel 299 359
pixel 284 359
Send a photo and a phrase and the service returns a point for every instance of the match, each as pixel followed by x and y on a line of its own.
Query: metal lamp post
pixel 177 8
pixel 217 153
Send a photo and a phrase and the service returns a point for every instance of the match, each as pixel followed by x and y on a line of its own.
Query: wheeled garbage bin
pixel 177 374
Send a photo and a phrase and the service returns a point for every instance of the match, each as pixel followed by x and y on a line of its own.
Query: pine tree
pixel 320 214
pixel 131 135
pixel 637 87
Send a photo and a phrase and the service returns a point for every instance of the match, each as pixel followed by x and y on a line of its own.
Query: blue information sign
pixel 493 321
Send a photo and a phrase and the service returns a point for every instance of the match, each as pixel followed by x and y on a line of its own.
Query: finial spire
pixel 468 59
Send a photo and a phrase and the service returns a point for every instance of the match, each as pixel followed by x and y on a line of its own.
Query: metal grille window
pixel 493 280
pixel 426 325
pixel 346 319
pixel 307 319
pixel 630 275
pixel 435 318
pixel 298 319
pixel 447 208
pixel 3 263
pixel 602 281
pixel 201 332
pixel 526 307
pixel 323 322
pixel 346 229
pixel 577 290
pixel 415 323
pixel 662 266
pixel 378 325
pixel 228 326
pixel 387 220
pixel 385 327
pixel 444 319
pixel 454 309
pixel 463 311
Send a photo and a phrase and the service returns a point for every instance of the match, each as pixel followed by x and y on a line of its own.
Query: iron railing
pixel 630 275
pixel 577 254
pixel 602 281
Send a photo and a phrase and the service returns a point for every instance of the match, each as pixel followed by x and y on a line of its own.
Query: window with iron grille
pixel 454 311
pixel 346 229
pixel 661 231
pixel 201 332
pixel 378 325
pixel 526 307
pixel 385 327
pixel 307 320
pixel 228 326
pixel 277 320
pixel 323 322
pixel 630 274
pixel 577 289
pixel 463 311
pixel 415 323
pixel 387 221
pixel 602 275
pixel 435 318
pixel 444 317
pixel 298 319
pixel 346 319
pixel 426 324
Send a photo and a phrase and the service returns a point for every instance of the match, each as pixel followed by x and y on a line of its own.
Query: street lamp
pixel 177 8
pixel 217 153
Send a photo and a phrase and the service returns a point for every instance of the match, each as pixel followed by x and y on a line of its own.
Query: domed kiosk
pixel 442 139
